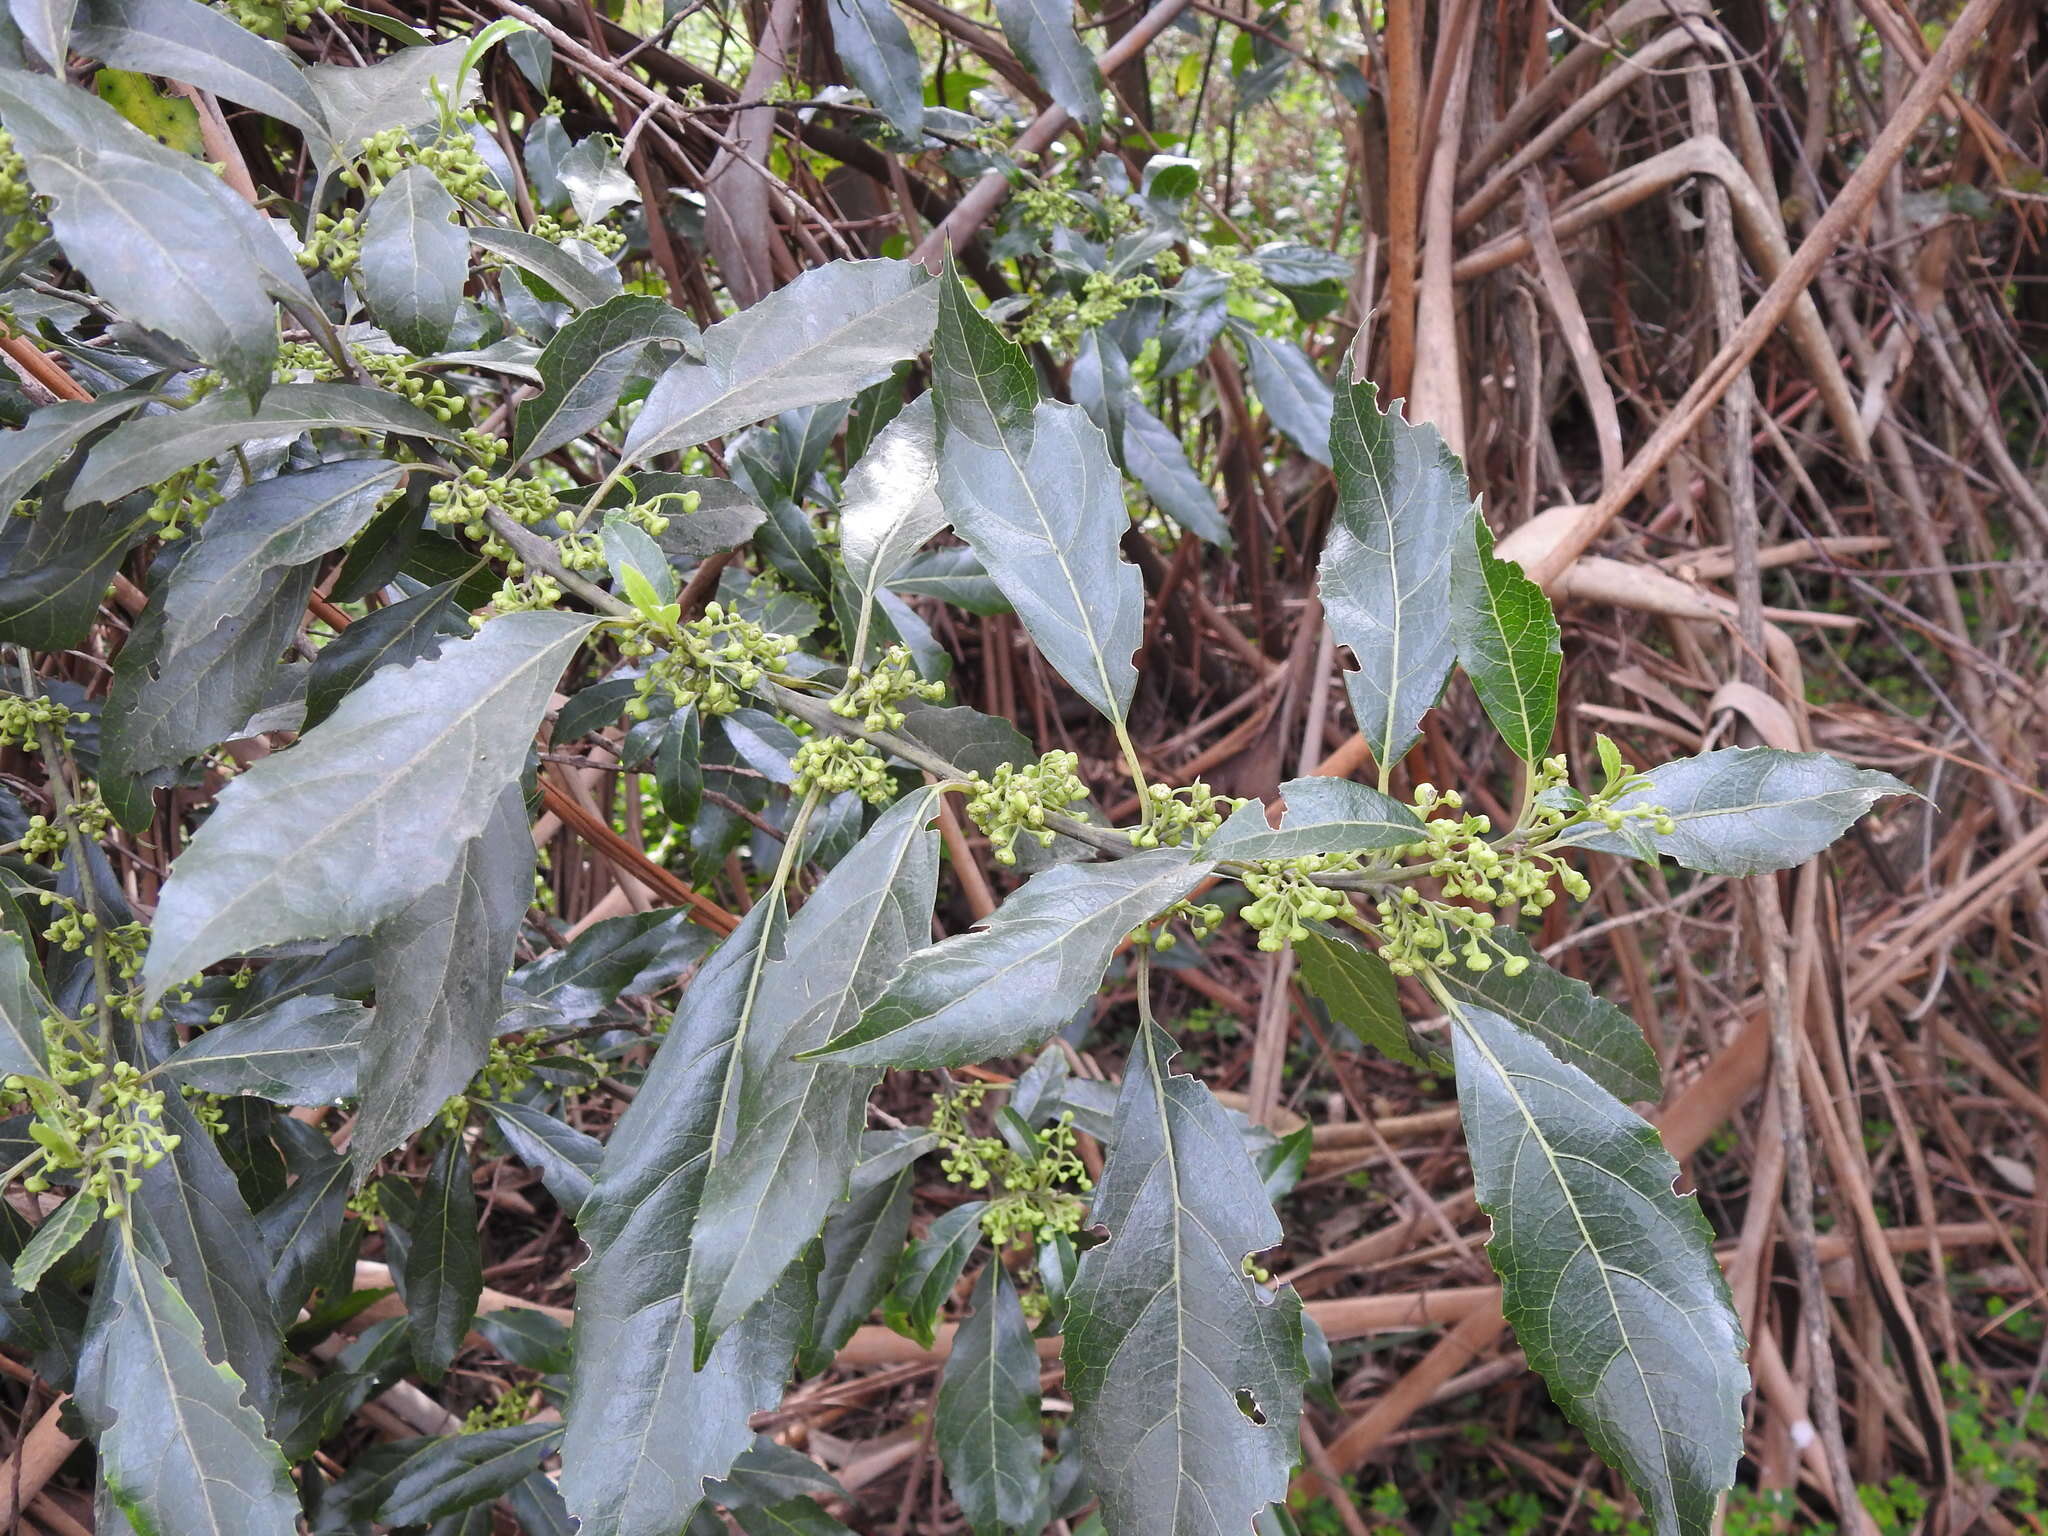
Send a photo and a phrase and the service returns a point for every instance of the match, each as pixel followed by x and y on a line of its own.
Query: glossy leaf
pixel 1005 987
pixel 458 1472
pixel 565 1157
pixel 394 92
pixel 874 45
pixel 373 806
pixel 1321 816
pixel 302 1050
pixel 1401 504
pixel 179 1448
pixel 1361 994
pixel 415 260
pixel 1744 810
pixel 928 1270
pixel 1575 1024
pixel 988 1408
pixel 33 450
pixel 1186 1375
pixel 793 1517
pixel 861 1243
pixel 1608 1278
pixel 23 1007
pixel 586 365
pixel 442 1275
pixel 396 635
pixel 62 1230
pixel 1507 640
pixel 1029 486
pixel 890 505
pixel 152 448
pixel 795 1124
pixel 1296 397
pixel 1157 461
pixel 579 286
pixel 58 568
pixel 1041 34
pixel 628 956
pixel 826 336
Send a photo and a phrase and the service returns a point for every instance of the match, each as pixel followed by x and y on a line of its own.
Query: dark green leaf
pixel 152 448
pixel 458 1472
pixel 1196 308
pixel 794 1125
pixel 767 1474
pixel 395 92
pixel 59 567
pixel 966 737
pixel 302 1231
pixel 874 45
pixel 1294 394
pixel 988 1435
pixel 1359 990
pixel 725 517
pixel 928 1271
pixel 890 505
pixel 396 635
pixel 187 41
pixel 595 181
pixel 1743 810
pixel 1186 1375
pixel 1005 987
pixel 1574 1024
pixel 1314 280
pixel 302 1050
pixel 373 807
pixel 1385 571
pixel 1154 456
pixel 1041 33
pixel 586 365
pixel 528 1338
pixel 580 287
pixel 23 1007
pixel 796 1517
pixel 861 1244
pixel 1321 816
pixel 826 336
pixel 628 956
pixel 953 575
pixel 679 769
pixel 1507 640
pixel 1608 1278
pixel 1031 490
pixel 62 1230
pixel 566 1158
pixel 442 1275
pixel 415 260
pixel 32 451
pixel 440 967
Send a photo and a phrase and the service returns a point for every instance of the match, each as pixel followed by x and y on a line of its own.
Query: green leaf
pixel 1360 992
pixel 861 1245
pixel 1401 503
pixel 1041 33
pixel 1186 1375
pixel 629 956
pixel 890 504
pixel 1574 1024
pixel 152 448
pixel 1005 987
pixel 645 1429
pixel 988 1435
pixel 179 1448
pixel 370 809
pixel 159 236
pixel 1314 280
pixel 829 334
pixel 579 286
pixel 586 365
pixel 1196 308
pixel 767 1474
pixel 1029 486
pixel 33 450
pixel 396 635
pixel 458 1472
pixel 1295 395
pixel 415 260
pixel 566 1159
pixel 1608 1278
pixel 794 1517
pixel 46 24
pixel 794 1125
pixel 23 1007
pixel 304 1230
pixel 929 1269
pixel 302 1050
pixel 395 92
pixel 183 40
pixel 679 768
pixel 595 181
pixel 726 516
pixel 1154 455
pixel 952 575
pixel 874 45
pixel 1507 640
pixel 443 1273
pixel 529 1338
pixel 1743 810
pixel 62 1230
pixel 1321 816
pixel 59 566
pixel 440 970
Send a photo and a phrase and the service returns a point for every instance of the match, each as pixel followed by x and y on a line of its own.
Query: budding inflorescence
pixel 1286 896
pixel 1034 1193
pixel 836 765
pixel 873 696
pixel 22 721
pixel 1016 800
pixel 1186 813
pixel 99 1140
pixel 707 663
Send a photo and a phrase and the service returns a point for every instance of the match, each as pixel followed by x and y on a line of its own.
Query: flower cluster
pixel 602 238
pixel 472 496
pixel 22 721
pixel 873 696
pixel 1035 1192
pixel 1201 920
pixel 1174 815
pixel 450 155
pixel 1016 800
pixel 273 18
pixel 102 1141
pixel 1417 935
pixel 17 199
pixel 45 839
pixel 839 764
pixel 184 500
pixel 1061 318
pixel 707 663
pixel 1286 896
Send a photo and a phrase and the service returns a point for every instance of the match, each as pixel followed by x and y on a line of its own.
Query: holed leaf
pixel 1003 988
pixel 1401 503
pixel 1186 1376
pixel 1744 810
pixel 1507 640
pixel 1608 1278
